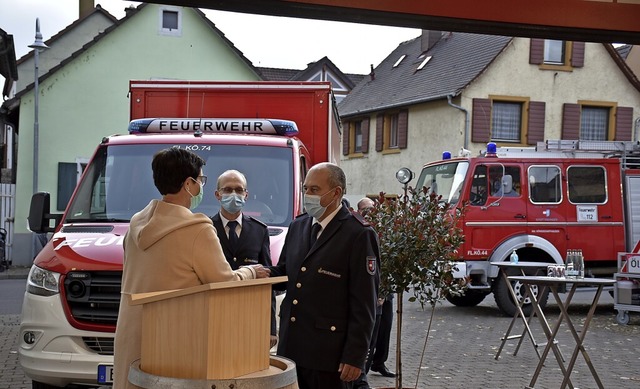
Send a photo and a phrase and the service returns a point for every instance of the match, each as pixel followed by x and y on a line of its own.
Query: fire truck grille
pixel 102 346
pixel 93 297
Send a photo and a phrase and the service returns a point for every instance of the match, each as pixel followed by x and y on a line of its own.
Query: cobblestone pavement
pixel 461 349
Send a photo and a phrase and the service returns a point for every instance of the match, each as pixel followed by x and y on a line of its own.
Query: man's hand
pixel 349 373
pixel 272 341
pixel 261 271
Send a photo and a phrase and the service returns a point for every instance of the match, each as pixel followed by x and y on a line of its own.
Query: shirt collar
pixel 327 219
pixel 225 220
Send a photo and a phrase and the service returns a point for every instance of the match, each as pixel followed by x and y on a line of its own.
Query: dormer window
pixel 399 60
pixel 170 22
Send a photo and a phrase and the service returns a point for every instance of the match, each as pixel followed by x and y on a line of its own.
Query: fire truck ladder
pixel 627 151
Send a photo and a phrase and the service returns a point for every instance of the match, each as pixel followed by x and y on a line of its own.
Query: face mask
pixel 232 203
pixel 197 199
pixel 312 205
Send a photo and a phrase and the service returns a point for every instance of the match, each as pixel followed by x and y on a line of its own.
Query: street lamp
pixel 404 176
pixel 37 46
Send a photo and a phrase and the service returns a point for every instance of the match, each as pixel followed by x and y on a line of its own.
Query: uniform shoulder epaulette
pixel 361 219
pixel 302 214
pixel 258 221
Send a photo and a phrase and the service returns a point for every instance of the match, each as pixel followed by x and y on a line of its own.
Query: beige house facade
pixel 474 89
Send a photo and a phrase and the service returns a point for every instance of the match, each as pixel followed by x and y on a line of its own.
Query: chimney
pixel 129 10
pixel 429 38
pixel 372 74
pixel 86 7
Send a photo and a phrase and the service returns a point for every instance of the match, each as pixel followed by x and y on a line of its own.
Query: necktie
pixel 233 237
pixel 315 230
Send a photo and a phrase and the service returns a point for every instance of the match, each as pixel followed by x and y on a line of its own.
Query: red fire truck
pixel 272 132
pixel 540 202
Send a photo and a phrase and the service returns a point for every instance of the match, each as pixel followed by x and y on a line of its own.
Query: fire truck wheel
pixel 470 299
pixel 505 301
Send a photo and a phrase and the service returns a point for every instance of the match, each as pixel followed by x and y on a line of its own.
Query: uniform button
pixel 303 268
pixel 295 302
pixel 293 319
pixel 333 328
pixel 298 285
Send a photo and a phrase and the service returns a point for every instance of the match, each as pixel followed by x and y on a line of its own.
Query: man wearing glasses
pixel 244 239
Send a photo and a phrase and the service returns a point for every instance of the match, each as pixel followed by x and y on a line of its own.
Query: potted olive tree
pixel 419 238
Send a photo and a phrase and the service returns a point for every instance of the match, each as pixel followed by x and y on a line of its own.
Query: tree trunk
pixel 399 297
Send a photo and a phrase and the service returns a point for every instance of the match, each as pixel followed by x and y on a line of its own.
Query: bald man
pixel 331 258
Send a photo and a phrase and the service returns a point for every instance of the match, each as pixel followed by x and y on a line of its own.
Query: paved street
pixel 461 349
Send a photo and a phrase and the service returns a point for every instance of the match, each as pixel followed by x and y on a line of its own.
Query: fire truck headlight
pixel 43 282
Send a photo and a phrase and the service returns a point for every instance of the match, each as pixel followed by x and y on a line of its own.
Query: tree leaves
pixel 419 237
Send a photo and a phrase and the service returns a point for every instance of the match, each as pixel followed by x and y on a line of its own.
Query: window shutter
pixel 481 121
pixel 346 138
pixel 536 122
pixel 536 51
pixel 403 128
pixel 379 132
pixel 577 54
pixel 571 121
pixel 624 123
pixel 365 135
pixel 67 180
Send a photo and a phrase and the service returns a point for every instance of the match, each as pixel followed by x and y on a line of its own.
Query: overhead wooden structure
pixel 613 21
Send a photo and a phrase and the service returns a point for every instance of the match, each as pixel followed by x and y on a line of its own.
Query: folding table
pixel 523 268
pixel 555 284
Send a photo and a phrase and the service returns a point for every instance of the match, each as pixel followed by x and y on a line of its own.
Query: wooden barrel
pixel 281 374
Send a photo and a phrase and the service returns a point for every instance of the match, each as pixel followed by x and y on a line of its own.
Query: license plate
pixel 105 374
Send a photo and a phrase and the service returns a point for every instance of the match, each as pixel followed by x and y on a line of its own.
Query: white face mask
pixel 312 205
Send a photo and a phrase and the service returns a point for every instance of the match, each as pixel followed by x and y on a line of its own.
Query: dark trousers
pixel 316 379
pixel 381 352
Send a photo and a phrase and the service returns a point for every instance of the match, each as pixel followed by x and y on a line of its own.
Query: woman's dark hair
pixel 172 166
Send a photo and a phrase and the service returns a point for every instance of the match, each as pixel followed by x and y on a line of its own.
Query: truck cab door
pixel 496 208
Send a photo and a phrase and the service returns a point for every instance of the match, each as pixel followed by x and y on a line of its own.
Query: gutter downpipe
pixel 466 120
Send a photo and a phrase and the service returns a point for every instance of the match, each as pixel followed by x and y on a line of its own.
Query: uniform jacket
pixel 167 247
pixel 253 243
pixel 328 313
pixel 253 248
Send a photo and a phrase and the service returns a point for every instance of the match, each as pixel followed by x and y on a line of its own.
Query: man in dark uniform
pixel 328 313
pixel 244 240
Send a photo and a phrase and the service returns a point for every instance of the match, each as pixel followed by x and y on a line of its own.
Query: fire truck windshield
pixel 445 179
pixel 119 182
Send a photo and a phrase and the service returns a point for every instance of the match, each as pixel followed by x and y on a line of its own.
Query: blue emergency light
pixel 446 155
pixel 492 149
pixel 214 126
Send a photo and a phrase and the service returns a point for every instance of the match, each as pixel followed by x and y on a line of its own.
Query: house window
pixel 556 55
pixel 392 133
pixel 554 52
pixel 594 123
pixel 357 135
pixel 506 121
pixel 170 21
pixel 597 120
pixel 355 142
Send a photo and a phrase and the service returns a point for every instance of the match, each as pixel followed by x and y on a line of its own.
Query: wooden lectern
pixel 212 331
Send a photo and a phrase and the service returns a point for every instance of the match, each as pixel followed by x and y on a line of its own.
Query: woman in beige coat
pixel 168 247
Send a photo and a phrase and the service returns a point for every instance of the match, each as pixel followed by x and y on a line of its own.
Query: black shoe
pixel 383 371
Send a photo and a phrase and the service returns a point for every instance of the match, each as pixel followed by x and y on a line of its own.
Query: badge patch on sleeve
pixel 371 265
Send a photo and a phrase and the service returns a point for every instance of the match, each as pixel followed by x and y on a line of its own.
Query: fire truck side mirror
pixel 39 216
